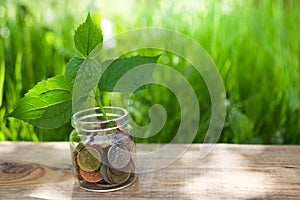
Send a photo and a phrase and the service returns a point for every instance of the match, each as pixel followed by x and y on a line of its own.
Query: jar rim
pixel 79 118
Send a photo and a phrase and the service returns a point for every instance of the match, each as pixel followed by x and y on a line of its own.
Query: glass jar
pixel 102 149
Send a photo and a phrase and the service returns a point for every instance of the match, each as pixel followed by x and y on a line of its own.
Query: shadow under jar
pixel 102 149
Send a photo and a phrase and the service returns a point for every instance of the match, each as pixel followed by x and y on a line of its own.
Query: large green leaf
pixel 87 36
pixel 72 68
pixel 45 94
pixel 116 69
pixel 54 116
pixel 54 83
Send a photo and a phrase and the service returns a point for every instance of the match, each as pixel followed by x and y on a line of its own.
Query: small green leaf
pixel 72 68
pixel 116 69
pixel 87 36
pixel 85 83
pixel 45 94
pixel 54 116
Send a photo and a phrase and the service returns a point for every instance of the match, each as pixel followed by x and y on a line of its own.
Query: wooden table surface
pixel 228 172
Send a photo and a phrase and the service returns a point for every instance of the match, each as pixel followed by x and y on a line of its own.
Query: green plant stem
pixel 98 100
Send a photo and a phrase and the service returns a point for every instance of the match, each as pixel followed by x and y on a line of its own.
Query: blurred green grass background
pixel 255 44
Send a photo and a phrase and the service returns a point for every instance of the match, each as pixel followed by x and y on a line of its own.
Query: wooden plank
pixel 43 171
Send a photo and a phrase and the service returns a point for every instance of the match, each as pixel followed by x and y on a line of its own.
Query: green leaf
pixel 116 69
pixel 87 36
pixel 54 116
pixel 72 68
pixel 45 94
pixel 85 83
pixel 54 83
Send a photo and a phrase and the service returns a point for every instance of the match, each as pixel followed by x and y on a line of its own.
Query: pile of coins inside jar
pixel 105 161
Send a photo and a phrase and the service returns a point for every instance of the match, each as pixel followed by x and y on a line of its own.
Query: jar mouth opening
pixel 92 120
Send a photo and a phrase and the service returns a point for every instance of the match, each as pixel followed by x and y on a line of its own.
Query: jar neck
pixel 92 121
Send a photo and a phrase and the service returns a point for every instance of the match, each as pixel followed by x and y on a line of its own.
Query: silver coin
pixel 118 157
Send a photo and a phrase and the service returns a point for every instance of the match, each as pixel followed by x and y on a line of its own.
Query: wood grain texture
pixel 43 171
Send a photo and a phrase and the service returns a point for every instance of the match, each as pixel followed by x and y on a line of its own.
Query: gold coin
pixel 89 159
pixel 78 148
pixel 98 147
pixel 103 171
pixel 116 171
pixel 129 168
pixel 118 179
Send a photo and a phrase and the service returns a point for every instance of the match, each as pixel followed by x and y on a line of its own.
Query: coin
pixel 103 171
pixel 128 168
pixel 118 157
pixel 128 143
pixel 118 138
pixel 104 145
pixel 92 177
pixel 76 168
pixel 98 147
pixel 118 179
pixel 78 148
pixel 116 172
pixel 89 159
pixel 106 182
pixel 121 129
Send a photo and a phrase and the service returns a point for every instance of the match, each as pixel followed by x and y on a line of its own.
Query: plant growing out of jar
pixel 102 149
